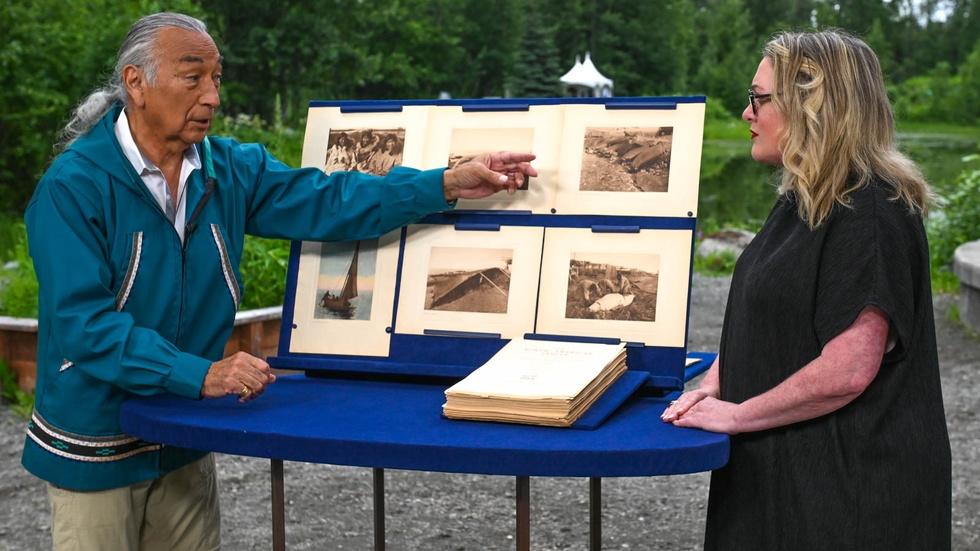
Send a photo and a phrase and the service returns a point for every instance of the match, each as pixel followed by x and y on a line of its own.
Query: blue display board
pixel 449 354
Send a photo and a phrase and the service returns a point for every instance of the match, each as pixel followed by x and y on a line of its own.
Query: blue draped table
pixel 399 425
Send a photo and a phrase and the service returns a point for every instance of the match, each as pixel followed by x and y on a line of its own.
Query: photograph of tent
pixel 469 280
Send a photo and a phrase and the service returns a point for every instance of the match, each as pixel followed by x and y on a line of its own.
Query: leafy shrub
pixel 958 223
pixel 263 270
pixel 719 124
pixel 18 283
pixel 715 264
pixel 284 142
pixel 8 234
pixel 21 402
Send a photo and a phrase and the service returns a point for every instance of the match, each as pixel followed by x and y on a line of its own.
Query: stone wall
pixel 966 265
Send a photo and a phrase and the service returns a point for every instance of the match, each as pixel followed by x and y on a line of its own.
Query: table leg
pixel 523 513
pixel 595 513
pixel 278 508
pixel 379 509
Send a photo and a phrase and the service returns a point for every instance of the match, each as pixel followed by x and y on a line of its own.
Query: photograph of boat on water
pixel 345 286
pixel 345 294
pixel 469 281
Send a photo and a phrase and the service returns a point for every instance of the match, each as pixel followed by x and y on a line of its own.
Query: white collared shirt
pixel 153 177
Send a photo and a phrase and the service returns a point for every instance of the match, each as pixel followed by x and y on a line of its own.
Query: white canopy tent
pixel 585 80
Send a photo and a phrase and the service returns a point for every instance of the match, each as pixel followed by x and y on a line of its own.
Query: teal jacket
pixel 126 309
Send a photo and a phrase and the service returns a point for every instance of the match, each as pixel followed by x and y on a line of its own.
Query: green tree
pixel 487 59
pixel 536 69
pixel 968 94
pixel 55 52
pixel 645 46
pixel 728 55
pixel 768 17
pixel 879 43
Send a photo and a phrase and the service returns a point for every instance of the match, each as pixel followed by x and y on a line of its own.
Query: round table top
pixel 399 425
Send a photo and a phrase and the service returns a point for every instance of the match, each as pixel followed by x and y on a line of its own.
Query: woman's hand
pixel 709 413
pixel 684 403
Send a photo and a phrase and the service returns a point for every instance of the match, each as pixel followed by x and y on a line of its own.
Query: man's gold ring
pixel 244 392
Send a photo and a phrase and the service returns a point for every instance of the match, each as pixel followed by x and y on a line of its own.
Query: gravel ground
pixel 330 507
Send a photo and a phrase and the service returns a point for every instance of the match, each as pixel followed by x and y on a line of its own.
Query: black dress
pixel 875 474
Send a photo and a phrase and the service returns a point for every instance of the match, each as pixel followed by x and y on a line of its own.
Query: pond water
pixel 737 191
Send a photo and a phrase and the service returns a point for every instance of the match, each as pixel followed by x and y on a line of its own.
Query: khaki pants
pixel 176 511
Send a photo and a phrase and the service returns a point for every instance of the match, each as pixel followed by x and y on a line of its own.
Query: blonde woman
pixel 828 377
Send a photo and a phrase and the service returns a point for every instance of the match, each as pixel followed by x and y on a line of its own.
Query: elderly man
pixel 136 231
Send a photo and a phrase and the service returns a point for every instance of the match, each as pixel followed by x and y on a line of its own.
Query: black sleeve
pixel 870 257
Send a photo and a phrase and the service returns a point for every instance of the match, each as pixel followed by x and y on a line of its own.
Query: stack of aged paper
pixel 537 382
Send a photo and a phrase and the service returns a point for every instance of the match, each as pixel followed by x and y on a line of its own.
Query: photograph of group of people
pixel 373 151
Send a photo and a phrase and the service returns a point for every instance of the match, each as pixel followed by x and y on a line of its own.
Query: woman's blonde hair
pixel 839 131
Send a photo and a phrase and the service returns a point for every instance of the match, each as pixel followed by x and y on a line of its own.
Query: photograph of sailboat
pixel 345 286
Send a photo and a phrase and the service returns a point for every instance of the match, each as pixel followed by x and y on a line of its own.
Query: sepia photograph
pixel 626 159
pixel 598 285
pixel 345 295
pixel 613 286
pixel 345 286
pixel 467 143
pixel 372 150
pixel 469 280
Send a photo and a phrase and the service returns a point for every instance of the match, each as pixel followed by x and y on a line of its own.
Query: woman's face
pixel 766 123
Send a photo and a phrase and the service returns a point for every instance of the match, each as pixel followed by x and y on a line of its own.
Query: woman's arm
pixel 844 369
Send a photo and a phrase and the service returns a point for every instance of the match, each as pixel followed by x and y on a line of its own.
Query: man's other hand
pixel 241 374
pixel 487 174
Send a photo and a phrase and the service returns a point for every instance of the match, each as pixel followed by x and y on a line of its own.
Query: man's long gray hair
pixel 137 49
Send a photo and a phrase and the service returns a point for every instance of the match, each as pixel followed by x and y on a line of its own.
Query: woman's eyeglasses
pixel 755 100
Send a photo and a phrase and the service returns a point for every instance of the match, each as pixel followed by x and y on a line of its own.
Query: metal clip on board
pixel 598 228
pixel 474 226
pixel 571 338
pixel 485 107
pixel 659 105
pixel 372 108
pixel 460 334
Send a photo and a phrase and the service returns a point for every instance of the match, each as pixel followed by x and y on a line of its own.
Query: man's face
pixel 180 103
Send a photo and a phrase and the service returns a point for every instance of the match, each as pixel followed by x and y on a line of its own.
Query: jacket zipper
pixel 149 199
pixel 189 227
